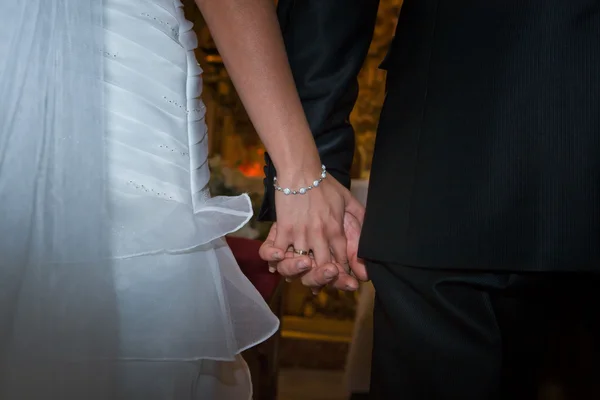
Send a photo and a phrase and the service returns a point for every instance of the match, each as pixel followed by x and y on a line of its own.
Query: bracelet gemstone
pixel 302 190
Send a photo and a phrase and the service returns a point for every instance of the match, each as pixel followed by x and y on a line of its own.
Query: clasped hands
pixel 327 225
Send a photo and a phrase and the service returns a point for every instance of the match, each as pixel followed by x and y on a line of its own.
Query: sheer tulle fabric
pixel 58 316
pixel 112 269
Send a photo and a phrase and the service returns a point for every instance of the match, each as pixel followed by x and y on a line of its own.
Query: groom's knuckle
pixel 287 264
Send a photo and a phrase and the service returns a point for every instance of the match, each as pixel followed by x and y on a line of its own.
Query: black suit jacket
pixel 488 148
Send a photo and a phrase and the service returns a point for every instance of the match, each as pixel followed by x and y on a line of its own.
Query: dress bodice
pixel 157 133
pixel 155 114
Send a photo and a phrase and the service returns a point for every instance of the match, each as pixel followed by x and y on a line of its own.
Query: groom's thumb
pixel 359 269
pixel 355 208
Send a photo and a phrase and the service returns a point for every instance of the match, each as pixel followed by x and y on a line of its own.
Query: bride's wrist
pixel 297 165
pixel 300 176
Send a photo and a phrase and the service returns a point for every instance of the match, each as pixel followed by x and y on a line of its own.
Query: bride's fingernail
pixel 351 288
pixel 329 274
pixel 272 270
pixel 277 256
pixel 302 266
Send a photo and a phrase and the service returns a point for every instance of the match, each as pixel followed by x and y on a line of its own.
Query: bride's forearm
pixel 249 40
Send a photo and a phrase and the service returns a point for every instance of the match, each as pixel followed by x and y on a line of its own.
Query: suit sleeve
pixel 327 42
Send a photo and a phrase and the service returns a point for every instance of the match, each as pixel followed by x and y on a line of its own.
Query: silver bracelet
pixel 302 190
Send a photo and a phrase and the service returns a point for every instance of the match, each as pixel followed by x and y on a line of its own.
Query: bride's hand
pixel 313 221
pixel 305 269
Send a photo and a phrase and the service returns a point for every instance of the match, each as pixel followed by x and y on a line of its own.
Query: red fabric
pixel 256 270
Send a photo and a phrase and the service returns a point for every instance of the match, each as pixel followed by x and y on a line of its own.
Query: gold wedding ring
pixel 301 252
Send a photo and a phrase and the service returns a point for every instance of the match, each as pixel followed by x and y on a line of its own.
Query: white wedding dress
pixel 182 310
pixel 181 295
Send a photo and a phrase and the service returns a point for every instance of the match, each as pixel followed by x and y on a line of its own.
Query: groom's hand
pixel 342 277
